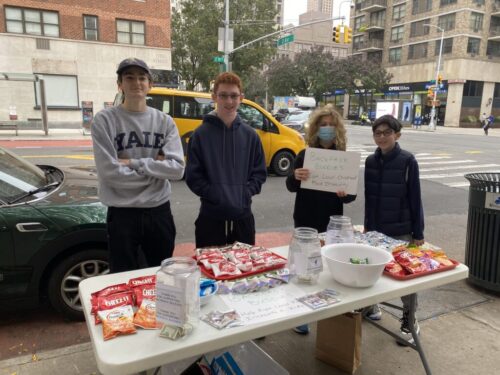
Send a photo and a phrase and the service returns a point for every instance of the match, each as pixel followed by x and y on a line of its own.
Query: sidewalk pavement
pixel 461 338
pixel 460 330
pixel 79 134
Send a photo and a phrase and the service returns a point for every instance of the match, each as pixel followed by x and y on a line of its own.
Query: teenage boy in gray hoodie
pixel 137 151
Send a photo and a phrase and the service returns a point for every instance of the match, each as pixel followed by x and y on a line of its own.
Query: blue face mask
pixel 326 133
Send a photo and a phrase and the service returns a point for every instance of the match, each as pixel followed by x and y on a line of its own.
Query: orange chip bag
pixel 145 317
pixel 117 321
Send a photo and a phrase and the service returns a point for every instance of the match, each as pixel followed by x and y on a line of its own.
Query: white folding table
pixel 145 349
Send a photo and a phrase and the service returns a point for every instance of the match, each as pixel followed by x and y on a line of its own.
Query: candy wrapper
pixel 224 319
pixel 320 299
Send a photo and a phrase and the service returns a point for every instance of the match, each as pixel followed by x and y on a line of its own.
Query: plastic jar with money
pixel 177 296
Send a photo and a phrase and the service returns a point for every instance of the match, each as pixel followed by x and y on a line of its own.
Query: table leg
pixel 417 345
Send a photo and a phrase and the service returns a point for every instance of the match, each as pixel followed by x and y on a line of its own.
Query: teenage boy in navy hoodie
pixel 225 168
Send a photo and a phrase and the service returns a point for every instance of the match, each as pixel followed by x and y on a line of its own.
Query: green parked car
pixel 52 234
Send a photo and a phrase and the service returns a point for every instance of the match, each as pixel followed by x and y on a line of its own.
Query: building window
pixel 417 51
pixel 31 21
pixel 397 33
pixel 377 18
pixel 90 30
pixel 130 32
pixel 473 88
pixel 418 28
pixel 395 55
pixel 60 91
pixel 357 42
pixel 421 6
pixel 443 3
pixel 447 22
pixel 447 46
pixel 359 22
pixel 473 45
pixel 398 12
pixel 476 21
pixel 493 48
pixel 478 2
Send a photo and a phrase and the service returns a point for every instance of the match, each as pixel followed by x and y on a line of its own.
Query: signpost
pixel 285 40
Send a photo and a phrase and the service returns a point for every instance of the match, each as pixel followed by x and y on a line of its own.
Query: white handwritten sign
pixel 331 170
pixel 266 305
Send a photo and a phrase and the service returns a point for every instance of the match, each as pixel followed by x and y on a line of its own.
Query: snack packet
pixel 117 321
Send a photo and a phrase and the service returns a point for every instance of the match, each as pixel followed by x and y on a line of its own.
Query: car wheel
pixel 64 280
pixel 282 163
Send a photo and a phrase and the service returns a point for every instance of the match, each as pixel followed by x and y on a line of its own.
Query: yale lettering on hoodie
pixel 133 140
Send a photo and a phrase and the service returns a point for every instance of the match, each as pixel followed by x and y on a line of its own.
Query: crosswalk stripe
pixel 446 175
pixel 434 157
pixel 458 167
pixel 458 184
pixel 446 162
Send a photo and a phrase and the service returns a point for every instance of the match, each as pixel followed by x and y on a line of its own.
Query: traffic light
pixel 430 92
pixel 336 34
pixel 440 79
pixel 347 35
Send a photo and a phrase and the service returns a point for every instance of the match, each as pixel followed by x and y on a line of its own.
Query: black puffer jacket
pixel 393 203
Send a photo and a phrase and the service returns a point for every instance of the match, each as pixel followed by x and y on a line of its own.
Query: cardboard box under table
pixel 145 349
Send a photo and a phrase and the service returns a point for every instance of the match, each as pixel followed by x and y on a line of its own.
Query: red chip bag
pixel 117 321
pixel 409 262
pixel 146 291
pixel 112 301
pixel 151 279
pixel 395 268
pixel 112 289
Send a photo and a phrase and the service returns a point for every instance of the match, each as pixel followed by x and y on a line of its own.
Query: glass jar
pixel 339 230
pixel 304 256
pixel 177 293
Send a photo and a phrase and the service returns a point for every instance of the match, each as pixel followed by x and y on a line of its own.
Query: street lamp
pixel 340 7
pixel 432 123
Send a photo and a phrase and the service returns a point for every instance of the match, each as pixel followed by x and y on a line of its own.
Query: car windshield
pixel 299 116
pixel 17 177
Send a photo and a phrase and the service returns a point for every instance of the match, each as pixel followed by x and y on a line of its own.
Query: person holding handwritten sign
pixel 313 208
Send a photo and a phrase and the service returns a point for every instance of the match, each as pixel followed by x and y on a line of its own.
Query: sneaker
pixel 373 312
pixel 406 331
pixel 302 330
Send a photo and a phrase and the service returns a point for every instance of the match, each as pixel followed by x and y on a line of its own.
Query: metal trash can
pixel 482 252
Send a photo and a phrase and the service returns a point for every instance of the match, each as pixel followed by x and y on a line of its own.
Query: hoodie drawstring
pixel 228 230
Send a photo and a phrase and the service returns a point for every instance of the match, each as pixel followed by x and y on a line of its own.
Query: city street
pixel 443 159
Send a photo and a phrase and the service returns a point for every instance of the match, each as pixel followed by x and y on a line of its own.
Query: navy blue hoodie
pixel 225 167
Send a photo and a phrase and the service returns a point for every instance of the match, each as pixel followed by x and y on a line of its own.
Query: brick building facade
pixel 76 45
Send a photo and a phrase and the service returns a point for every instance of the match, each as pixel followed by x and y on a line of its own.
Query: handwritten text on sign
pixel 332 170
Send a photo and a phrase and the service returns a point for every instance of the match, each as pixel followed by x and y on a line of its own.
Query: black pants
pixel 211 232
pixel 130 230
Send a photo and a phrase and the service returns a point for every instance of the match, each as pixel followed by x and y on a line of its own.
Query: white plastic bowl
pixel 355 275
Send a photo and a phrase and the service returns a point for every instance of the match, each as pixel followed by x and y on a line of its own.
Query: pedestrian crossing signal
pixel 430 93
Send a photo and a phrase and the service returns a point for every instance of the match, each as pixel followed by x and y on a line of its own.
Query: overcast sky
pixel 292 9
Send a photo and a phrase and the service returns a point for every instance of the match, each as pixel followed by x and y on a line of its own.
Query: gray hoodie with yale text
pixel 151 141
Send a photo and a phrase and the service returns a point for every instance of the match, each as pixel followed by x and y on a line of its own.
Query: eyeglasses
pixel 384 133
pixel 228 96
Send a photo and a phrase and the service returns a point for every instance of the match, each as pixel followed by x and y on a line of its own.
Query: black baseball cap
pixel 132 61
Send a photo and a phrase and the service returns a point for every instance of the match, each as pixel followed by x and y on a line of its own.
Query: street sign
pixel 285 40
pixel 218 59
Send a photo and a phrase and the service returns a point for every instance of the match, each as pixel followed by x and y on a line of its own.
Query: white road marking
pixel 459 167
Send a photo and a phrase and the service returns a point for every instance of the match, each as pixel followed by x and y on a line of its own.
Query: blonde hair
pixel 315 120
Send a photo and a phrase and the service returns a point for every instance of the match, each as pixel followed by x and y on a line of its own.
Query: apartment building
pixel 408 37
pixel 76 46
pixel 323 6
